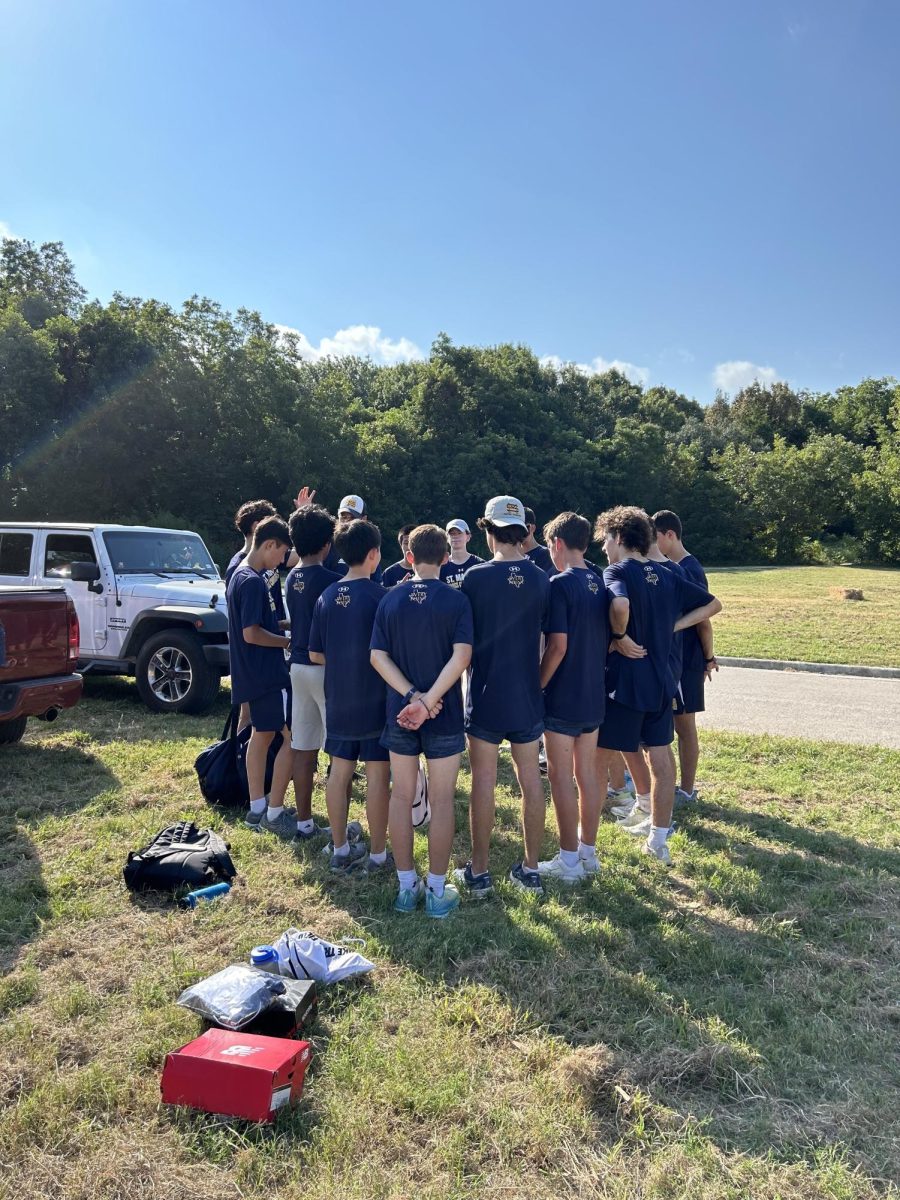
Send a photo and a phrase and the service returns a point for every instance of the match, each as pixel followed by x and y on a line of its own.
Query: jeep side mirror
pixel 89 573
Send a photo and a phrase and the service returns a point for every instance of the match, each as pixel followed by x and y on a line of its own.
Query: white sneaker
pixel 639 828
pixel 620 811
pixel 636 817
pixel 555 868
pixel 590 866
pixel 620 795
pixel 661 855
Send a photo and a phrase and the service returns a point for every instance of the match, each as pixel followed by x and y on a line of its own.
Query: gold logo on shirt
pixel 343 597
pixel 515 577
pixel 418 595
pixel 299 585
pixel 650 575
pixel 592 586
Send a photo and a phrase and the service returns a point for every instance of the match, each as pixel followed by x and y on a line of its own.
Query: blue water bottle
pixel 265 958
pixel 192 899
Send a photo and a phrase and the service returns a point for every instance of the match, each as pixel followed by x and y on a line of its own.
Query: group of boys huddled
pixel 600 666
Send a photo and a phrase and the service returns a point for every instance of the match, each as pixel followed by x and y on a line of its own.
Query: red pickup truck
pixel 38 656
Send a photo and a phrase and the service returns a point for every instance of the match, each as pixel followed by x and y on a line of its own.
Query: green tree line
pixel 138 412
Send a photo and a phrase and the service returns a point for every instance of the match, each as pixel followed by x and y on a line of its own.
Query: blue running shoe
pixel 528 881
pixel 408 898
pixel 478 886
pixel 441 906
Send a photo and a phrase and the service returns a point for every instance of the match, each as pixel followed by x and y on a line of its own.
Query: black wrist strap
pixel 617 637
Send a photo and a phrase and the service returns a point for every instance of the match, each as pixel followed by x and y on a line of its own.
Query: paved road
pixel 831 708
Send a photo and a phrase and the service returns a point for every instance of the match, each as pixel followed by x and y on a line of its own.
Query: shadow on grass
pixel 56 780
pixel 730 991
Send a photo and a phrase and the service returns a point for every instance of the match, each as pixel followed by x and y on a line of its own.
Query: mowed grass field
pixel 728 1029
pixel 793 613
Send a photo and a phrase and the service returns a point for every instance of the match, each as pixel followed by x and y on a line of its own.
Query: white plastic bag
pixel 233 997
pixel 304 955
pixel 421 809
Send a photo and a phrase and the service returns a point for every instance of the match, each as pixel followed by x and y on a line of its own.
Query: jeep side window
pixel 63 549
pixel 15 553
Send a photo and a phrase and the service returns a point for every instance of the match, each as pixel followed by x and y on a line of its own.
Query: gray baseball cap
pixel 505 510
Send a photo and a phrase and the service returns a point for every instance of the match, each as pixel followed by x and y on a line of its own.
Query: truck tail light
pixel 74 637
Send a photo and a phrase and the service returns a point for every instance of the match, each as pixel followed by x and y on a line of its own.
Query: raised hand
pixel 304 497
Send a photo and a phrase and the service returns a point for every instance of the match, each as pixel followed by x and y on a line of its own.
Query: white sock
pixel 407 880
pixel 273 813
pixel 342 851
pixel 569 858
pixel 436 884
pixel 588 853
pixel 380 858
pixel 643 802
pixel 306 826
pixel 258 806
pixel 658 835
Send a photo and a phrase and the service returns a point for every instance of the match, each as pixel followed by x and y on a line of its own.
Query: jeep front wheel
pixel 173 675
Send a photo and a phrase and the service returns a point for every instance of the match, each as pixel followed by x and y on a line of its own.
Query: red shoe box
pixel 236 1074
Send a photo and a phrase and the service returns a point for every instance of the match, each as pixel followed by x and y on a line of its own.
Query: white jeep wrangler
pixel 150 603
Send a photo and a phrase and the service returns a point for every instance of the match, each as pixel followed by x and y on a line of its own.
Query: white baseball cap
pixel 353 504
pixel 458 523
pixel 505 510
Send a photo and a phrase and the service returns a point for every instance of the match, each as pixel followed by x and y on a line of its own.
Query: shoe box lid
pixel 236 1074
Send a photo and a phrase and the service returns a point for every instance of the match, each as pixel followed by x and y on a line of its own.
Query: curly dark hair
pixel 250 513
pixel 312 528
pixel 630 524
pixel 354 541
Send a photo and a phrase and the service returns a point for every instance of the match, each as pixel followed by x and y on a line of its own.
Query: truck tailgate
pixel 36 632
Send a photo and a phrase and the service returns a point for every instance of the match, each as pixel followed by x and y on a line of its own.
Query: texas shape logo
pixel 343 597
pixel 418 594
pixel 515 577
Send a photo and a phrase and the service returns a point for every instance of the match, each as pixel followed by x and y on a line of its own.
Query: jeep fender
pixel 207 623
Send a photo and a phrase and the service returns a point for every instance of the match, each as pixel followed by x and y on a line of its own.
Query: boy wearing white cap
pixel 351 508
pixel 460 559
pixel 510 609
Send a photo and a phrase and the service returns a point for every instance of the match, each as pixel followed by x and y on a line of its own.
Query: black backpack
pixel 222 768
pixel 179 855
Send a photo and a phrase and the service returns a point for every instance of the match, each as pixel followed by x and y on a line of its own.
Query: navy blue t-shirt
pixel 657 598
pixel 333 562
pixel 418 623
pixel 453 573
pixel 693 658
pixel 303 587
pixel 395 573
pixel 510 606
pixel 341 630
pixel 255 670
pixel 579 608
pixel 272 578
pixel 673 675
pixel 540 556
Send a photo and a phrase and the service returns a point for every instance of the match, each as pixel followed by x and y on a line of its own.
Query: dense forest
pixel 134 411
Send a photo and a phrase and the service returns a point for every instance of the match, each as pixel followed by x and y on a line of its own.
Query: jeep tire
pixel 172 673
pixel 12 731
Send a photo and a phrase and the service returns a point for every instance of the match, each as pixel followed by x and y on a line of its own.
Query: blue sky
pixel 705 191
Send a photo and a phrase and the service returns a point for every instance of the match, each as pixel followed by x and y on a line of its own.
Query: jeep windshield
pixel 136 553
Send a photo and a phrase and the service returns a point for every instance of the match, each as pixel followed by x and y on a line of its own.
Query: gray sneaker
pixel 354 834
pixel 284 825
pixel 387 866
pixel 355 861
pixel 252 819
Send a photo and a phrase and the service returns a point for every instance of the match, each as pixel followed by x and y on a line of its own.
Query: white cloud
pixel 732 376
pixel 599 366
pixel 364 341
pixel 6 232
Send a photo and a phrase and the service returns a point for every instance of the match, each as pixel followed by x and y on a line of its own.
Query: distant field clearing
pixel 804 613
